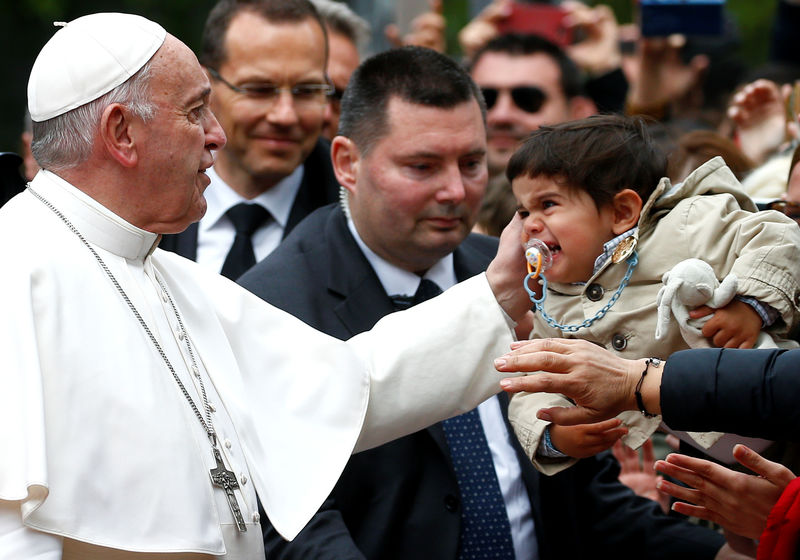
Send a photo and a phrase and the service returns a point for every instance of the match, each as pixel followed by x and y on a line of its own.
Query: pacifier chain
pixel 539 260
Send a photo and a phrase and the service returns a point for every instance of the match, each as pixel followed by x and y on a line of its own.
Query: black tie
pixel 426 290
pixel 485 529
pixel 246 218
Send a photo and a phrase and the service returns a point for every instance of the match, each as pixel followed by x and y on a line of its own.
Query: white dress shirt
pixel 397 281
pixel 216 232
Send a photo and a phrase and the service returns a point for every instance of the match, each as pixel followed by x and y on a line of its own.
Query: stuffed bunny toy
pixel 691 283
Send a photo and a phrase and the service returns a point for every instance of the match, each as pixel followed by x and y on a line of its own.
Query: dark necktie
pixel 485 529
pixel 246 218
pixel 426 290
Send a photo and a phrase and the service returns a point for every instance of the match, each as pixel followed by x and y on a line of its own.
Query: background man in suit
pixel 412 161
pixel 348 33
pixel 266 60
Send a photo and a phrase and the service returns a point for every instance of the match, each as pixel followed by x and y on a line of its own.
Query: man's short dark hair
pixel 212 53
pixel 414 74
pixel 602 155
pixel 518 44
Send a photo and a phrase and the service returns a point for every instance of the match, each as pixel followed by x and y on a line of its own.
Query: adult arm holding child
pixel 752 392
pixel 749 392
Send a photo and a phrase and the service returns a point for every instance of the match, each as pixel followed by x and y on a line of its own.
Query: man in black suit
pixel 412 160
pixel 266 61
pixel 11 180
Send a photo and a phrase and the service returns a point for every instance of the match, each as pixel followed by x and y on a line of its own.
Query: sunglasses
pixel 528 98
pixel 790 209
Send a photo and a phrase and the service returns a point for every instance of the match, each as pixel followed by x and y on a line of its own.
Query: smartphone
pixel 659 18
pixel 546 20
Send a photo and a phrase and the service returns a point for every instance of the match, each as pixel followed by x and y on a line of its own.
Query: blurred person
pixel 684 80
pixel 30 167
pixel 527 81
pixel 267 63
pixel 698 146
pixel 426 30
pixel 764 117
pixel 348 34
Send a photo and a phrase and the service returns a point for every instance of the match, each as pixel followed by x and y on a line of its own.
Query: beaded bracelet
pixel 638 391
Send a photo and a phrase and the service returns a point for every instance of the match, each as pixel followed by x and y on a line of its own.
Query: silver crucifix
pixel 226 480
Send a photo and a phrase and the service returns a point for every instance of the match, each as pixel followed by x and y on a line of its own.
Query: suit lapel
pixel 363 301
pixel 317 188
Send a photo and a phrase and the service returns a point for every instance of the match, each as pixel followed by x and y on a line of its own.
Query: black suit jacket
pixel 11 180
pixel 318 188
pixel 401 500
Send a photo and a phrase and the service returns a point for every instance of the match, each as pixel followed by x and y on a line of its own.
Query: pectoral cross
pixel 226 480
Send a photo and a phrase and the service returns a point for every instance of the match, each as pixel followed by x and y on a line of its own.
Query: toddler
pixel 595 192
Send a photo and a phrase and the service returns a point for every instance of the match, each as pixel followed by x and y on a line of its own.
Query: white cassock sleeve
pixel 317 399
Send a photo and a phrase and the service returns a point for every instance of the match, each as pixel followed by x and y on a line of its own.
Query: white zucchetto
pixel 87 58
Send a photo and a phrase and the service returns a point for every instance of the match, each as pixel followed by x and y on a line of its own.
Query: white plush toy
pixel 691 283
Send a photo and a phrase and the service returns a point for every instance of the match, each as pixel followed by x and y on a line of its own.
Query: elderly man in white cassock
pixel 145 402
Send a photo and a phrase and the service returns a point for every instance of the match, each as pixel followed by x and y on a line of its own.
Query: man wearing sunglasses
pixel 266 61
pixel 527 82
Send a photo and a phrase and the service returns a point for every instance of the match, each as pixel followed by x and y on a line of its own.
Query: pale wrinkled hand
pixel 737 325
pixel 639 473
pixel 737 501
pixel 599 382
pixel 427 30
pixel 484 27
pixel 758 112
pixel 586 440
pixel 507 271
pixel 599 51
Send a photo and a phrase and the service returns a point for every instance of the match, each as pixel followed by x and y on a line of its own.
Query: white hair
pixel 339 18
pixel 65 141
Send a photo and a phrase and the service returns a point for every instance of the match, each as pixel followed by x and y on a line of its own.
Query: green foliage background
pixel 25 25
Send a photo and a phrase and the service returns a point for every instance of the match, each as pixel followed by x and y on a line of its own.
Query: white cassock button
pixel 256 517
pixel 228 443
pixel 195 371
pixel 164 297
pixel 180 335
pixel 243 479
pixel 211 407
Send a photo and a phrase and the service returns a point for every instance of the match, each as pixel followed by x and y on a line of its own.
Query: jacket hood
pixel 713 177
